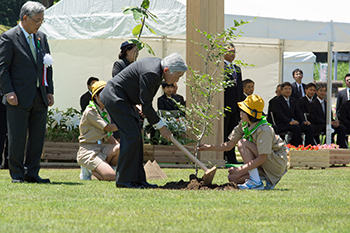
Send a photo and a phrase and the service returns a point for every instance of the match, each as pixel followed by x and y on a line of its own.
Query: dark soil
pixel 196 183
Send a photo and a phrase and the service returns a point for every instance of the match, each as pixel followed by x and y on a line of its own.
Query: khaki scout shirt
pixel 91 126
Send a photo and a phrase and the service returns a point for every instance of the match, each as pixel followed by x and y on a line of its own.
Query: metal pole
pixel 335 65
pixel 329 129
pixel 281 62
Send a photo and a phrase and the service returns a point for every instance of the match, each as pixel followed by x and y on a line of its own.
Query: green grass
pixel 304 201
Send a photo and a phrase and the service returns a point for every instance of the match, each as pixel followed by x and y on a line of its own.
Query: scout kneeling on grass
pixel 95 129
pixel 263 152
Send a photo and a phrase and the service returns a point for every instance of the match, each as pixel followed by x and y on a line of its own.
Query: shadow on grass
pixel 65 183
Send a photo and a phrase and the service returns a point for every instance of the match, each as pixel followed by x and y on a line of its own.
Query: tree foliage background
pixel 9 10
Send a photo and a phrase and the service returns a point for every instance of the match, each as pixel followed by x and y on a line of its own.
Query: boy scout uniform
pixel 268 143
pixel 92 150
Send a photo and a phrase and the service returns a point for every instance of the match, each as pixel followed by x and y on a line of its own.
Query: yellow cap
pixel 252 105
pixel 96 87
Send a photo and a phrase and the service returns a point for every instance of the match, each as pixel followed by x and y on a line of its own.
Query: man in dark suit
pixel 343 95
pixel 317 110
pixel 232 96
pixel 137 84
pixel 86 97
pixel 28 91
pixel 344 115
pixel 288 117
pixel 298 88
pixel 303 102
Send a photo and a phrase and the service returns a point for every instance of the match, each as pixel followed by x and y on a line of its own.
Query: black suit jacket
pixel 295 91
pixel 164 103
pixel 138 83
pixel 342 97
pixel 233 94
pixel 119 66
pixel 303 104
pixel 344 114
pixel 284 114
pixel 84 100
pixel 18 71
pixel 316 114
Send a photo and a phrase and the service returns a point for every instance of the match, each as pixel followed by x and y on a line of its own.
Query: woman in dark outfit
pixel 128 54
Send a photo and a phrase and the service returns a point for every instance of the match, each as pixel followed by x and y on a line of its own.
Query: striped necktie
pixel 31 46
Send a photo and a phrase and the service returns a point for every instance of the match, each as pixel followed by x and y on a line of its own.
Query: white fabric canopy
pixel 302 60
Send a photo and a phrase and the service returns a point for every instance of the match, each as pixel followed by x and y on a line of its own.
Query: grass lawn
pixel 304 201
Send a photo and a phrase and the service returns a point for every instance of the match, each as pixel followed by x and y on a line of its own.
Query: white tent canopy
pixel 85 36
pixel 302 60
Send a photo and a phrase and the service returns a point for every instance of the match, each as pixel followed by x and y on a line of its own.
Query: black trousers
pixel 130 161
pixel 25 153
pixel 308 130
pixel 340 131
pixel 230 121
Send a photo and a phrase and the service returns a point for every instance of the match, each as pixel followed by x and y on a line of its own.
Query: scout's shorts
pixel 91 155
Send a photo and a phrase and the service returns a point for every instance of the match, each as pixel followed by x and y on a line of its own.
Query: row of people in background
pixel 300 108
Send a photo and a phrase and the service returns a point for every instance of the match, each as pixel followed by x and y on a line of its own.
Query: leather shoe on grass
pixel 17 180
pixel 148 185
pixel 129 185
pixel 36 179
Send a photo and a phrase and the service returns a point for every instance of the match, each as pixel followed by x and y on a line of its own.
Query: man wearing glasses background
pixel 28 91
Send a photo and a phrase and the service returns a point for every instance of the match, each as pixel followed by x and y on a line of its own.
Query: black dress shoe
pixel 36 179
pixel 17 180
pixel 129 185
pixel 148 185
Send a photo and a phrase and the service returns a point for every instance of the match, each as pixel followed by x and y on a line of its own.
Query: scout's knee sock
pixel 254 174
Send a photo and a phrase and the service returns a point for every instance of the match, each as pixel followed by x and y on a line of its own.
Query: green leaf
pixel 145 4
pixel 134 41
pixel 137 13
pixel 154 17
pixel 150 29
pixel 136 31
pixel 140 45
pixel 149 49
pixel 128 10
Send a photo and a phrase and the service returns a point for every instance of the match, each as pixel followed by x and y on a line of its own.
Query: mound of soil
pixel 196 183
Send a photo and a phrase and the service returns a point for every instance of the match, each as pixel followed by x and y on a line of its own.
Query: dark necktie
pixel 300 93
pixel 31 46
pixel 323 107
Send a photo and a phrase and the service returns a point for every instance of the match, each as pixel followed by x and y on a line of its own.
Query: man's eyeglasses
pixel 38 22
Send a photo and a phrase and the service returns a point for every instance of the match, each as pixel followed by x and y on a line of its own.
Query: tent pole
pixel 335 65
pixel 281 61
pixel 329 129
pixel 164 44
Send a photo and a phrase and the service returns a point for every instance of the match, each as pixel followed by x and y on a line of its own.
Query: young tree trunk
pixel 47 3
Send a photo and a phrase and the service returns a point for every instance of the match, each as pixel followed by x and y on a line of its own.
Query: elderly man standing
pixel 138 84
pixel 28 88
